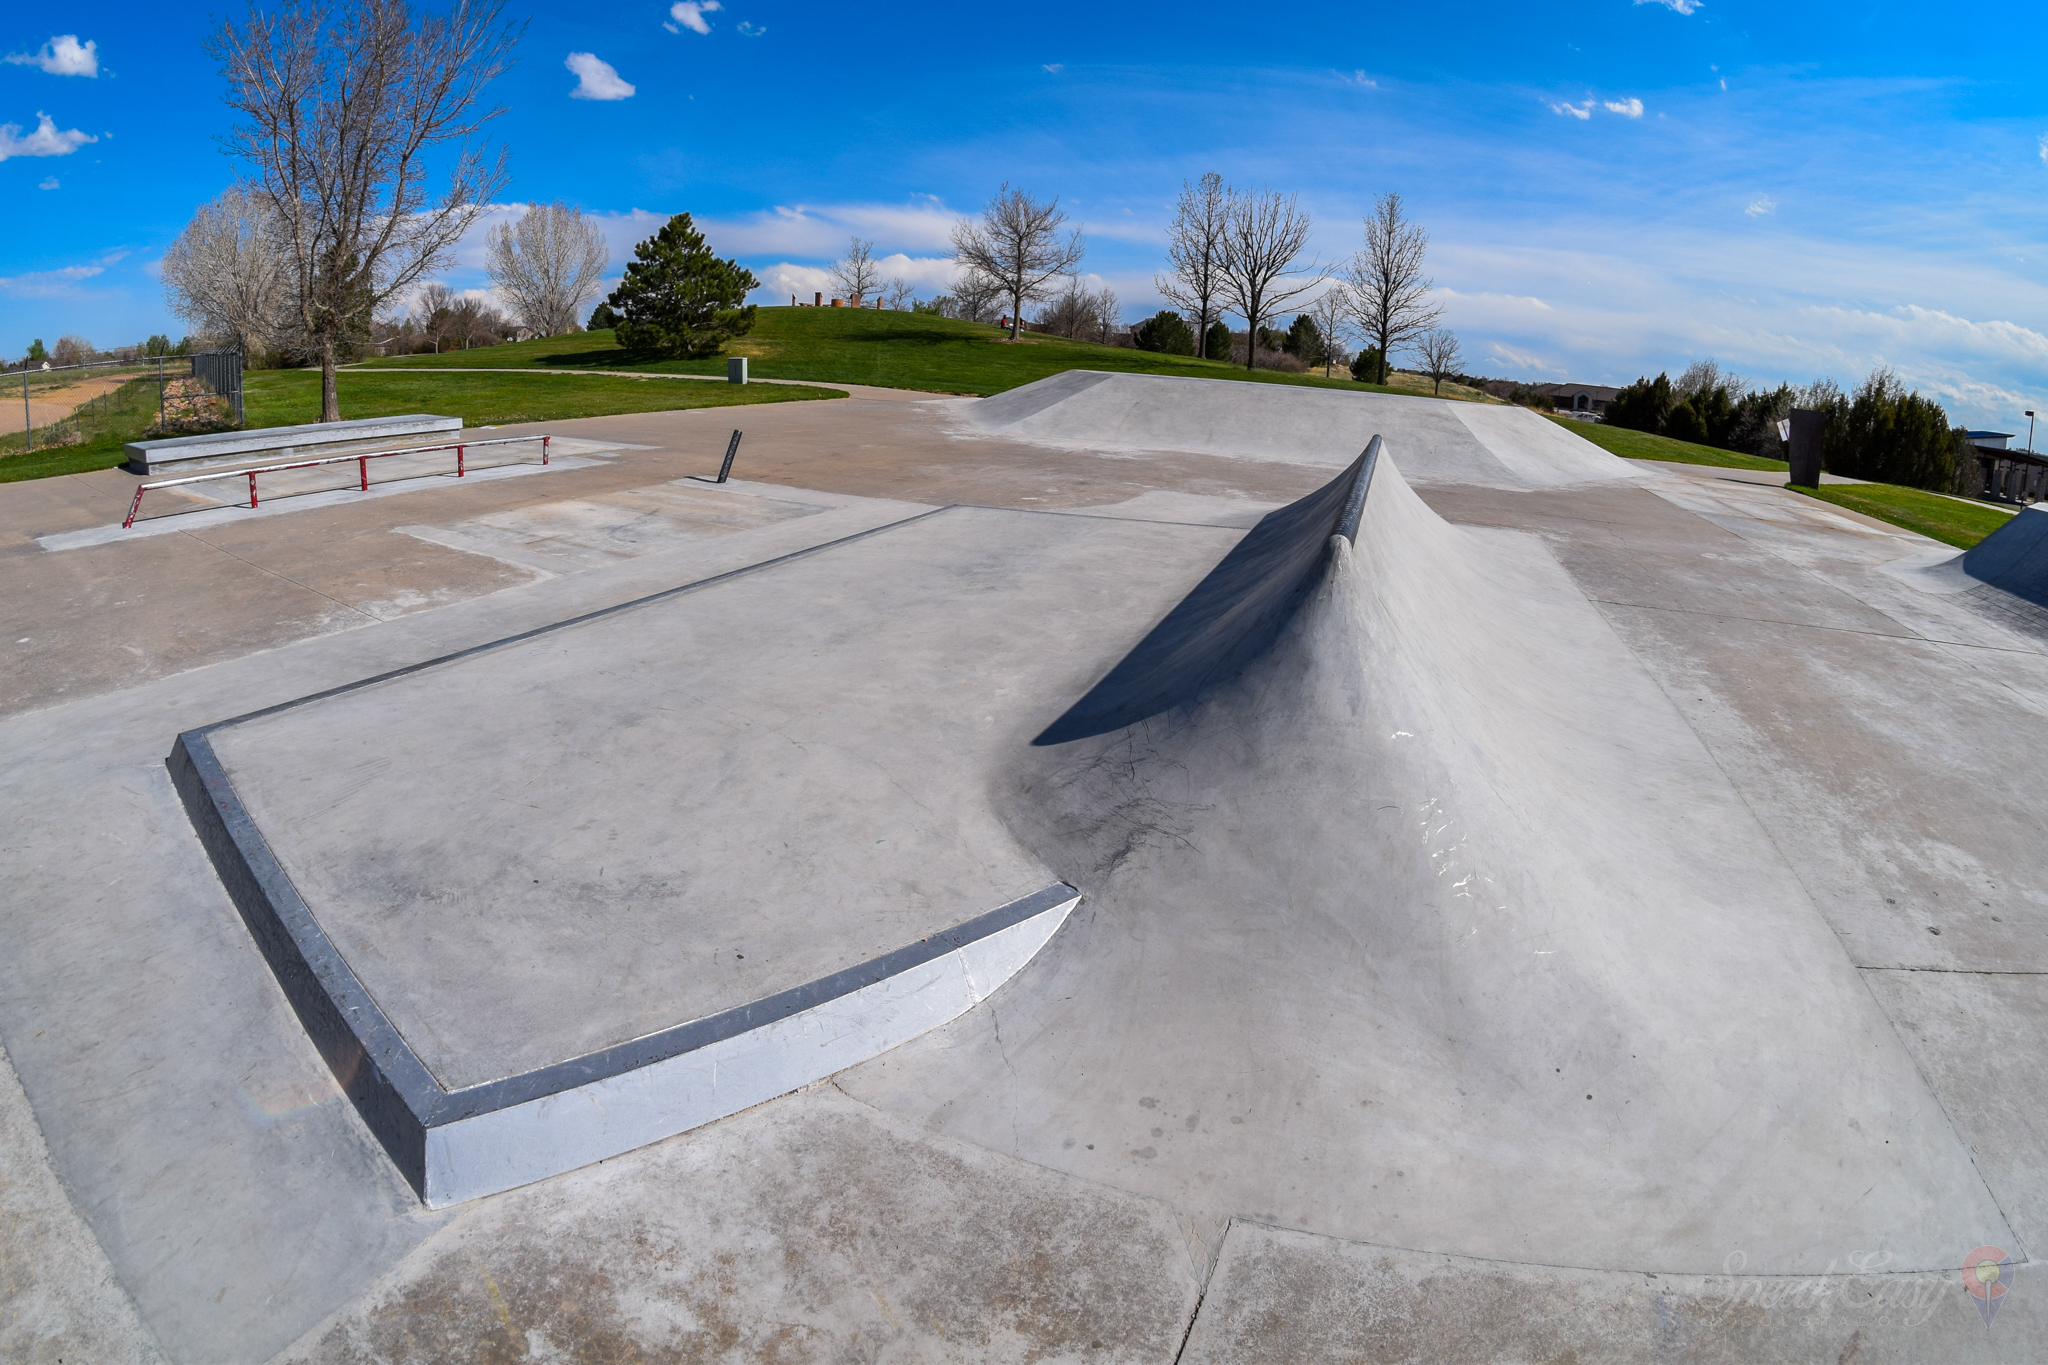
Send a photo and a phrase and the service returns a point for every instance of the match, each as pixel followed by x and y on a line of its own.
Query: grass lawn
pixel 275 398
pixel 1641 445
pixel 1949 520
pixel 888 350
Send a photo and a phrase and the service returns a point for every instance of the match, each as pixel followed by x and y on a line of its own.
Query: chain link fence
pixel 48 406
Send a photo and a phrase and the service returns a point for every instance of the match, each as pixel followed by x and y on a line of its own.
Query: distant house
pixel 2005 474
pixel 1577 397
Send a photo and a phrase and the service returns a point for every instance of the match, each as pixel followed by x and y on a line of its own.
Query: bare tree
pixel 1440 354
pixel 1263 239
pixel 547 266
pixel 343 109
pixel 225 273
pixel 901 294
pixel 1332 314
pixel 1392 297
pixel 858 276
pixel 1017 244
pixel 1109 314
pixel 976 296
pixel 1194 243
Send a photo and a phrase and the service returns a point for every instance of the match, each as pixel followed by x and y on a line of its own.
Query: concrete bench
pixel 282 443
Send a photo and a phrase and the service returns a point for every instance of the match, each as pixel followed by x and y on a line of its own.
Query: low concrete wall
pixel 282 443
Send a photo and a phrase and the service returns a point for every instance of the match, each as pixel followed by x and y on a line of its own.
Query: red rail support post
pixel 134 507
pixel 545 439
pixel 252 490
pixel 458 462
pixel 363 468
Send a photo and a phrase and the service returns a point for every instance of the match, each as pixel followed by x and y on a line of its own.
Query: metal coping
pixel 1354 506
pixel 394 1091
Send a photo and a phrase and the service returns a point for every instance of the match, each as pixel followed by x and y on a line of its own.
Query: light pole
pixel 2030 431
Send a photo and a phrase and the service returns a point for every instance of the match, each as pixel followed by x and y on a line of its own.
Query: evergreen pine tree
pixel 678 299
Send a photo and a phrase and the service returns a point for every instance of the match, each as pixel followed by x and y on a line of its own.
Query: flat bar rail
pixel 361 458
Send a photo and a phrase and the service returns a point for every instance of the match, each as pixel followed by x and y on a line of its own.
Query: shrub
pixel 678 299
pixel 602 317
pixel 1366 368
pixel 1165 332
pixel 1217 345
pixel 1305 340
pixel 1891 436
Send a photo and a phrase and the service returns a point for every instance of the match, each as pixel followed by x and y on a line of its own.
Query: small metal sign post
pixel 732 448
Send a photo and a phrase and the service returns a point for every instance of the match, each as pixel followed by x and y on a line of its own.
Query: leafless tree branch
pixel 341 110
pixel 1194 244
pixel 547 266
pixel 1017 244
pixel 1391 293
pixel 1265 236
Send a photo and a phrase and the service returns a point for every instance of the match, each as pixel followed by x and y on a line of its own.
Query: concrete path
pixel 1579 778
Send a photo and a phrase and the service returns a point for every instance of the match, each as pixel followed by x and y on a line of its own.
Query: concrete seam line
pixel 565 623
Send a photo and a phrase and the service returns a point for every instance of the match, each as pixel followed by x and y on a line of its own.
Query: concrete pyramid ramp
pixel 1439 929
pixel 1440 441
pixel 2014 558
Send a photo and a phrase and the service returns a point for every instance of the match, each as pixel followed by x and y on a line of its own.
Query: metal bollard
pixel 732 448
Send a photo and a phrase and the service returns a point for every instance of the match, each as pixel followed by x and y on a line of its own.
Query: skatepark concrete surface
pixel 1605 923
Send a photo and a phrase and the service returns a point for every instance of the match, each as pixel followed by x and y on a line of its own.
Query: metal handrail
pixel 362 458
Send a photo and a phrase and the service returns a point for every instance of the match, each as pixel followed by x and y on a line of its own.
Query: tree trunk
pixel 330 400
pixel 1251 338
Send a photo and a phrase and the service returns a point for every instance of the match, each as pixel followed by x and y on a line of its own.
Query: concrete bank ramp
pixel 2003 577
pixel 1437 440
pixel 1439 929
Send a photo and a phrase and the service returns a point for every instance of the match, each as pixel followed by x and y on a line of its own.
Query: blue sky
pixel 1612 188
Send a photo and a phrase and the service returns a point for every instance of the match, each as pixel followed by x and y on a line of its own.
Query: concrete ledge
pixel 457 1145
pixel 313 438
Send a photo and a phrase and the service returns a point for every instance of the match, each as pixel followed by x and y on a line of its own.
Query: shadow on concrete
pixel 1232 616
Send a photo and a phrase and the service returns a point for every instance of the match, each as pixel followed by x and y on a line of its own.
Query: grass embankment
pixel 1949 520
pixel 1642 445
pixel 275 398
pixel 889 350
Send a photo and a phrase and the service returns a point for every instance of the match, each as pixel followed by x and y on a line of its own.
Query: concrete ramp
pixel 1440 929
pixel 2002 578
pixel 1439 440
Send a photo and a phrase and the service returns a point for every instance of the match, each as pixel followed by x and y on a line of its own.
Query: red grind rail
pixel 362 459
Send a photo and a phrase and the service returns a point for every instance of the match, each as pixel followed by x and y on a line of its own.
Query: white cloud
pixel 2044 148
pixel 1577 111
pixel 46 140
pixel 1054 68
pixel 595 79
pixel 1628 108
pixel 752 30
pixel 1760 206
pixel 49 183
pixel 690 14
pixel 929 275
pixel 63 56
pixel 1523 360
pixel 48 284
pixel 1679 6
pixel 1358 78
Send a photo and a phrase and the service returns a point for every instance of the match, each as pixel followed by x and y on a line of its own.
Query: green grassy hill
pixel 1642 445
pixel 888 350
